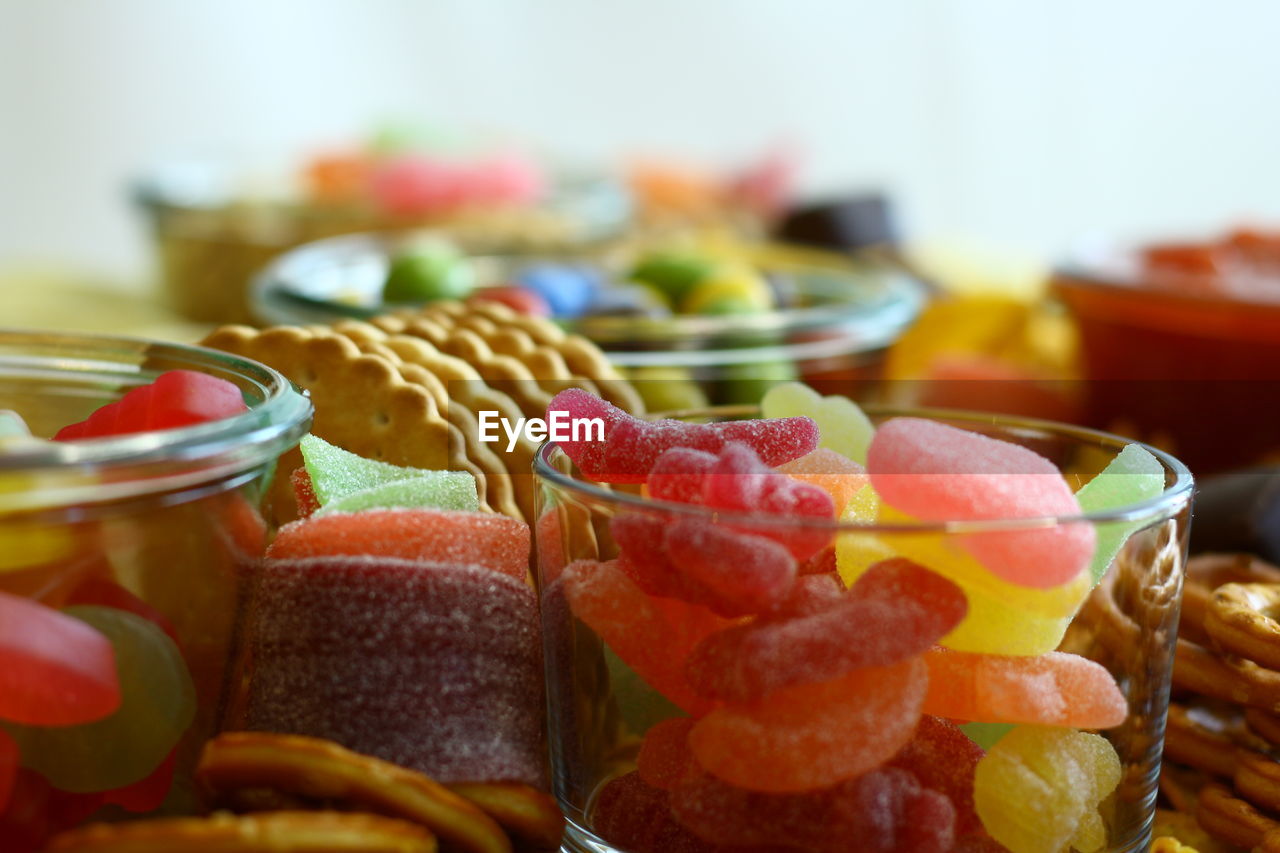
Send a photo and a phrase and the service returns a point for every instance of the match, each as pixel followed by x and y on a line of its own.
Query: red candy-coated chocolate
pixel 522 300
pixel 813 735
pixel 897 610
pixel 944 758
pixel 176 398
pixel 664 755
pixel 631 446
pixel 54 670
pixel 885 810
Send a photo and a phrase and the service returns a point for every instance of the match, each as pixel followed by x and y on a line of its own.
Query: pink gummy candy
pixel 678 474
pixel 745 574
pixel 643 558
pixel 813 735
pixel 664 755
pixel 944 758
pixel 937 472
pixel 651 635
pixel 485 539
pixel 837 475
pixel 884 811
pixel 432 666
pixel 631 445
pixel 54 669
pixel 1054 689
pixel 897 610
pixel 634 816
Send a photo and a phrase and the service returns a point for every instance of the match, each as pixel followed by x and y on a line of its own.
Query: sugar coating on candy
pixel 1053 689
pixel 303 495
pixel 486 539
pixel 336 472
pixel 943 758
pixel 653 636
pixel 664 755
pixel 432 490
pixel 432 666
pixel 158 703
pixel 643 558
pixel 896 611
pixel 937 472
pixel 744 574
pixel 1039 787
pixel 996 627
pixel 634 816
pixel 678 474
pixel 55 670
pixel 813 735
pixel 176 398
pixel 1132 477
pixel 845 428
pixel 631 446
pixel 838 476
pixel 884 810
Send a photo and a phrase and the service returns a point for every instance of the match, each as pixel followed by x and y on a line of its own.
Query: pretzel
pixel 1235 680
pixel 1240 621
pixel 1230 819
pixel 273 832
pixel 315 769
pixel 1265 725
pixel 1207 572
pixel 1191 742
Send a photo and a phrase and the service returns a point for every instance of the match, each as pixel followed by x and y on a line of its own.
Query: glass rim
pixel 1163 505
pixel 153 461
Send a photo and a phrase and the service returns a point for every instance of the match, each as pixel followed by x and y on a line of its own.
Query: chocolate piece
pixel 842 224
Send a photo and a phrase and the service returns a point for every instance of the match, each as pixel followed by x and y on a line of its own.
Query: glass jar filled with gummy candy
pixel 122 546
pixel 821 630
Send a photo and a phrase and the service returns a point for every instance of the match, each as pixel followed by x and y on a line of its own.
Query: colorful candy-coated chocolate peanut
pixel 631 445
pixel 813 735
pixel 55 670
pixel 845 428
pixel 653 640
pixel 839 476
pixel 568 290
pixel 1132 477
pixel 886 810
pixel 943 758
pixel 176 398
pixel 1053 689
pixel 336 473
pixel 158 704
pixel 744 574
pixel 896 611
pixel 664 757
pixel 675 274
pixel 519 299
pixel 1038 789
pixel 729 289
pixel 486 539
pixel 937 472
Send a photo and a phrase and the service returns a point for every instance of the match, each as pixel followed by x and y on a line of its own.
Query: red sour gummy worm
pixel 677 475
pixel 54 670
pixel 1053 689
pixel 664 755
pixel 634 816
pixel 744 574
pixel 813 735
pixel 885 810
pixel 631 446
pixel 937 472
pixel 896 611
pixel 643 558
pixel 303 494
pixel 944 758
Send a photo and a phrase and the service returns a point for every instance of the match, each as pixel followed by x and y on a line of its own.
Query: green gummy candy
pixel 336 473
pixel 1132 477
pixel 454 490
pixel 842 425
pixel 986 735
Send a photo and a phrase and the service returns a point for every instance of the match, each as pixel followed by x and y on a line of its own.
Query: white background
pixel 1016 124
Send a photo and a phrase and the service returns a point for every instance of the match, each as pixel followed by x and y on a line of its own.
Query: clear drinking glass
pixel 614 657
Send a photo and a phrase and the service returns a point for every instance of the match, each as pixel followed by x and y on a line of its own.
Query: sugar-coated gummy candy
pixel 176 398
pixel 943 758
pixel 158 704
pixel 641 540
pixel 813 735
pixel 678 475
pixel 744 574
pixel 419 492
pixel 631 445
pixel 9 762
pixel 1133 476
pixel 839 476
pixel 55 670
pixel 147 794
pixel 664 755
pixel 1038 789
pixel 986 735
pixel 896 611
pixel 96 590
pixel 634 816
pixel 490 540
pixel 303 495
pixel 845 428
pixel 336 473
pixel 653 636
pixel 938 472
pixel 1053 689
pixel 885 810
pixel 432 666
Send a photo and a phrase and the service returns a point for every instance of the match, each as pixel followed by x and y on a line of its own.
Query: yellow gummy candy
pixel 25 544
pixel 842 425
pixel 1037 790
